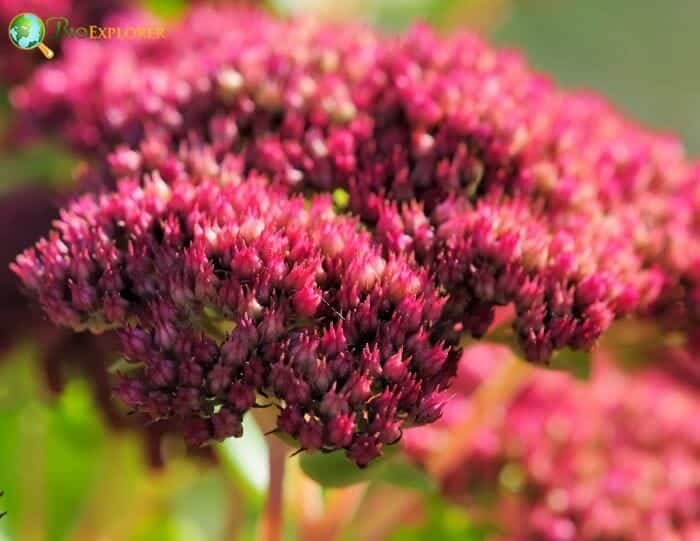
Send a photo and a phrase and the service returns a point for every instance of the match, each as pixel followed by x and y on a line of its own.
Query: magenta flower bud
pixel 627 300
pixel 241 397
pixel 430 407
pixel 370 360
pixel 561 300
pixel 197 431
pixel 478 318
pixel 411 311
pixel 333 341
pixel 320 376
pixel 431 361
pixel 366 319
pixel 161 372
pixel 246 262
pixel 591 289
pixel 158 405
pixel 271 326
pixel 333 404
pixel 290 420
pixel 298 392
pixel 303 352
pixel 191 373
pixel 219 378
pixel 360 389
pixel 115 309
pixel 364 449
pixel 390 432
pixel 599 315
pixel 132 392
pixel 310 435
pixel 187 401
pixel 226 424
pixel 136 343
pixel 124 162
pixel 83 296
pixel 243 338
pixel 537 345
pixel 395 368
pixel 28 268
pixel 340 430
pixel 165 334
pixel 306 301
pixel 563 330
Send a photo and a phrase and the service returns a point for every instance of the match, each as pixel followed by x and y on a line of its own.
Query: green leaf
pixel 74 449
pixel 576 363
pixel 400 472
pixel 200 507
pixel 334 470
pixel 46 162
pixel 167 9
pixel 447 522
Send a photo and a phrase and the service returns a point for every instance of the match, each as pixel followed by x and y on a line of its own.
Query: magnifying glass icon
pixel 27 32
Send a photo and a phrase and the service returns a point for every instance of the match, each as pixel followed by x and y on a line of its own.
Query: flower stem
pixel 272 520
pixel 271 526
pixel 487 401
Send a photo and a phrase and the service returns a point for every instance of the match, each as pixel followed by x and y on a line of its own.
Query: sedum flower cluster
pixel 476 183
pixel 616 458
pixel 589 216
pixel 228 296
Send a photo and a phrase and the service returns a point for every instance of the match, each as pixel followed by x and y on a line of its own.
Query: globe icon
pixel 27 32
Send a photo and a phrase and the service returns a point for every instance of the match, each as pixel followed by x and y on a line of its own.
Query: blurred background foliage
pixel 66 476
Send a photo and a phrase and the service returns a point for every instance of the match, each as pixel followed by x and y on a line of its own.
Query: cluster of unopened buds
pixel 229 295
pixel 475 182
pixel 574 461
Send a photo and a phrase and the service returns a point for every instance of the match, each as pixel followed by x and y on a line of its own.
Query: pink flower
pixel 605 460
pixel 598 214
pixel 311 333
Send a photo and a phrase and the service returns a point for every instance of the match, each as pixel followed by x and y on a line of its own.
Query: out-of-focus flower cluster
pixel 346 342
pixel 506 188
pixel 476 183
pixel 616 458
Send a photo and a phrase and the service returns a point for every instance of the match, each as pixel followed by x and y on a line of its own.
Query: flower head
pixel 466 140
pixel 225 293
pixel 570 461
